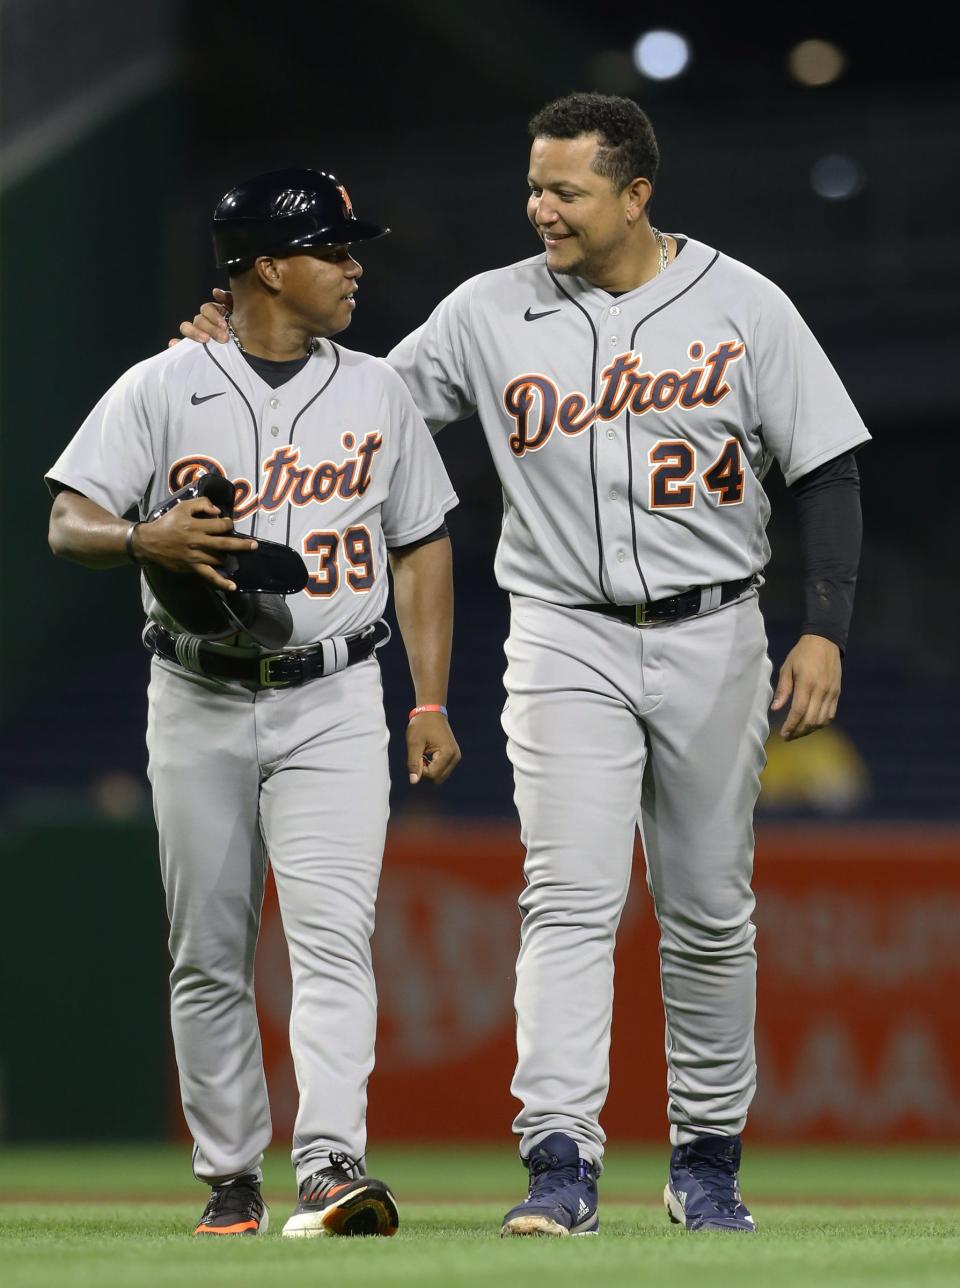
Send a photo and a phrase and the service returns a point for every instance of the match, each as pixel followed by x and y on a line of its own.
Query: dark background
pixel 121 132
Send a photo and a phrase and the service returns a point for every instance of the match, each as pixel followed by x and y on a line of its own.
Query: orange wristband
pixel 433 706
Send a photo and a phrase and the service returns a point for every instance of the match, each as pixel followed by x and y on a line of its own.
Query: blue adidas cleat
pixel 563 1192
pixel 703 1192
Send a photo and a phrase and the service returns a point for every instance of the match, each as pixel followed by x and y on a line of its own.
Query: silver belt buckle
pixel 642 615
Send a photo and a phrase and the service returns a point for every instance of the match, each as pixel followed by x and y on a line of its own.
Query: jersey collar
pixel 676 277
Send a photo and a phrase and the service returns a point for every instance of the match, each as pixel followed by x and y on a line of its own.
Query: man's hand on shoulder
pixel 811 672
pixel 210 323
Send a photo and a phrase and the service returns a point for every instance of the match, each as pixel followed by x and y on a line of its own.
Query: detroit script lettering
pixel 534 402
pixel 285 480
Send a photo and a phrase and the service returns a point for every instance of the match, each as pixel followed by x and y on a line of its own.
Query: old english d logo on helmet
pixel 285 211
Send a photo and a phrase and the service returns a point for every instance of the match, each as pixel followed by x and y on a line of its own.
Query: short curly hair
pixel 628 148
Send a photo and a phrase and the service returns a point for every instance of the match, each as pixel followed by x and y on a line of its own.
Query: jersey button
pixel 274 430
pixel 614 339
pixel 613 494
pixel 610 433
pixel 615 310
pixel 274 402
pixel 272 518
pixel 620 555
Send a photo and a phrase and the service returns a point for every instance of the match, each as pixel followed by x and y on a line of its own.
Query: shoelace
pixel 718 1175
pixel 238 1196
pixel 342 1168
pixel 344 1163
pixel 547 1176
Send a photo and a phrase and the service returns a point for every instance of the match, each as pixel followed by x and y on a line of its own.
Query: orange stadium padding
pixel 859 969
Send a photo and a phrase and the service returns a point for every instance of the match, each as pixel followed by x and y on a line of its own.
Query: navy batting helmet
pixel 283 212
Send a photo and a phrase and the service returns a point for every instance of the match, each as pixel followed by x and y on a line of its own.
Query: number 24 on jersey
pixel 674 462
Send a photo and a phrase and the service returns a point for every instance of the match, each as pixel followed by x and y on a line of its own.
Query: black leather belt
pixel 687 604
pixel 266 670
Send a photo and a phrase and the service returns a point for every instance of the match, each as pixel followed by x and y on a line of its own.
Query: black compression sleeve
pixel 828 504
pixel 436 535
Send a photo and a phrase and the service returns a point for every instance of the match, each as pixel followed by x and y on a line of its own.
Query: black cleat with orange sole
pixel 235 1207
pixel 332 1202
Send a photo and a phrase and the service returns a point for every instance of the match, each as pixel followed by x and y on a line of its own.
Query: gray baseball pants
pixel 611 726
pixel 300 776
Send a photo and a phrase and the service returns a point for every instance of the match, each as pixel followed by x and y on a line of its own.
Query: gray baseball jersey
pixel 336 463
pixel 631 433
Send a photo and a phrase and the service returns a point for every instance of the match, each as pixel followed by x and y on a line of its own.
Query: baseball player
pixel 276 754
pixel 634 388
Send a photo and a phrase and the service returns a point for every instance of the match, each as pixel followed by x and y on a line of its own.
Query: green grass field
pixel 105 1217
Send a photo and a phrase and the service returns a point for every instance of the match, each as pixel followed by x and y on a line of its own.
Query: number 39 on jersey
pixel 349 556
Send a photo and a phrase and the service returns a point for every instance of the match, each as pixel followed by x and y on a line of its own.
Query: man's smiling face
pixel 578 213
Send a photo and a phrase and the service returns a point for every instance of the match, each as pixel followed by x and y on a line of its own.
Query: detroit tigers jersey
pixel 336 463
pixel 631 433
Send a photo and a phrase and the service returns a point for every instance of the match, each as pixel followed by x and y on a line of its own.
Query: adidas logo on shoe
pixel 560 1185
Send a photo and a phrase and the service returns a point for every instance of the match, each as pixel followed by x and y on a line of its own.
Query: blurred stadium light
pixel 837 178
pixel 816 62
pixel 661 55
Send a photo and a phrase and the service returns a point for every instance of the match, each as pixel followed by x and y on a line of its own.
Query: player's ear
pixel 268 271
pixel 637 193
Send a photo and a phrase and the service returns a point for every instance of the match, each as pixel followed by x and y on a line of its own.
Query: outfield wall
pixel 857 1026
pixel 859 967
